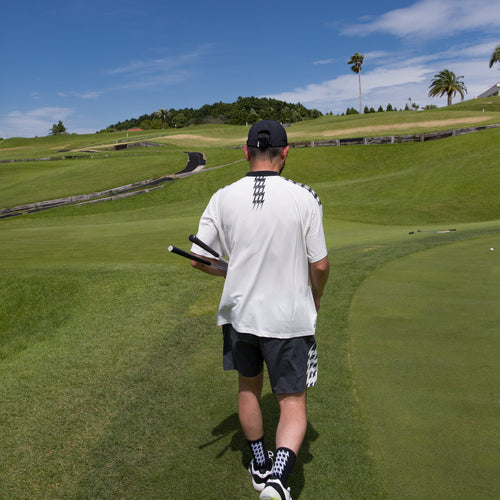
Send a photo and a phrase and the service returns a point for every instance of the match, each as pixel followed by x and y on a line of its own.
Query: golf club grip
pixel 188 255
pixel 194 239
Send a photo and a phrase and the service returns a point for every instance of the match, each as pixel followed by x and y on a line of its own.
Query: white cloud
pixel 377 54
pixel 397 78
pixel 160 64
pixel 483 50
pixel 35 122
pixel 432 19
pixel 142 67
pixel 84 95
pixel 324 61
pixel 148 74
pixel 343 91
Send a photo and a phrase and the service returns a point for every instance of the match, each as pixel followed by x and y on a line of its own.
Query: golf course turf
pixel 111 384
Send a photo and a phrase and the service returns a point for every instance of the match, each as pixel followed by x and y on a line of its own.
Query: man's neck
pixel 267 166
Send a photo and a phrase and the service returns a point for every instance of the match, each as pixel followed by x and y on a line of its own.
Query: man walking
pixel 271 230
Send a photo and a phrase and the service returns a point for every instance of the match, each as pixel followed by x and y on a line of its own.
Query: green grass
pixel 424 329
pixel 408 183
pixel 484 104
pixel 110 365
pixel 39 181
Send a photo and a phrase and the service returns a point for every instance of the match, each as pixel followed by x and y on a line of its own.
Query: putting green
pixel 424 337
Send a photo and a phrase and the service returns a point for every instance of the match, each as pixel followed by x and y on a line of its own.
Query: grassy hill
pixel 92 164
pixel 484 104
pixel 110 372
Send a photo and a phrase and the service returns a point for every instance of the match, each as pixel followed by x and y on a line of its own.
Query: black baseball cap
pixel 276 132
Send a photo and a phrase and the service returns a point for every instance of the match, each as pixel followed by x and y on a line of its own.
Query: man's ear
pixel 245 150
pixel 284 153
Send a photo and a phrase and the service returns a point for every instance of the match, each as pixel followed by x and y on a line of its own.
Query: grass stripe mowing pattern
pixel 111 368
pixel 424 331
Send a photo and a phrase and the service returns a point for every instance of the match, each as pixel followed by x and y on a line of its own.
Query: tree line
pixel 246 110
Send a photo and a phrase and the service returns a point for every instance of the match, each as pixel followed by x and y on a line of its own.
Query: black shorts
pixel 292 364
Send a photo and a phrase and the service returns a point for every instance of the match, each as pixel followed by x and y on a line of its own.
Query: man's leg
pixel 250 390
pixel 292 425
pixel 250 414
pixel 289 437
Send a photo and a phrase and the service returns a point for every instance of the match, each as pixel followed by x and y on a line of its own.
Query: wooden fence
pixel 393 139
pixel 197 162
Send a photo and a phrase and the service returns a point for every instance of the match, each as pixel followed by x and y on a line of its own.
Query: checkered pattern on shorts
pixel 312 366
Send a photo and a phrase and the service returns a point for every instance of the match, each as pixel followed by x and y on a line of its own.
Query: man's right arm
pixel 318 274
pixel 215 271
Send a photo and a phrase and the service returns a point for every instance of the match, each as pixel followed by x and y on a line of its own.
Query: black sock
pixel 259 453
pixel 283 465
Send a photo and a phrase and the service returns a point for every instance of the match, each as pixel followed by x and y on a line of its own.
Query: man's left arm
pixel 318 275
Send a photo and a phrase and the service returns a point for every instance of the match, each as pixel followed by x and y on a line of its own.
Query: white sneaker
pixel 275 490
pixel 260 476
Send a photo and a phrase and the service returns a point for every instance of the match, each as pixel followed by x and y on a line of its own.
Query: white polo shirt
pixel 270 228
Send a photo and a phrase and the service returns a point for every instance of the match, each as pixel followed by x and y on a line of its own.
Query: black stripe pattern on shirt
pixel 259 188
pixel 316 197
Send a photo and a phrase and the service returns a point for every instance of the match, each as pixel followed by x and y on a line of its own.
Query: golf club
pixel 222 266
pixel 194 239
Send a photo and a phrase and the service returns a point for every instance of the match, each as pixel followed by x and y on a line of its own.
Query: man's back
pixel 270 229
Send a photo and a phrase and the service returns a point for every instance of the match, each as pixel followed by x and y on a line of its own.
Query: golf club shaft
pixel 196 258
pixel 194 239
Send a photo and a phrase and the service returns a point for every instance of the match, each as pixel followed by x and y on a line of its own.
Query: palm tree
pixel 495 57
pixel 356 61
pixel 446 82
pixel 162 113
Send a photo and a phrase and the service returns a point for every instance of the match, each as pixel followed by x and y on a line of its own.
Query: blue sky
pixel 93 63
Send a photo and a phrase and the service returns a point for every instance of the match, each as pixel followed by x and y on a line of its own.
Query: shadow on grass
pixel 270 409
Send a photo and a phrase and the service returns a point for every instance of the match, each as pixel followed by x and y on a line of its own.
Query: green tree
pixel 180 120
pixel 447 83
pixel 253 116
pixel 58 129
pixel 356 61
pixel 163 114
pixel 156 124
pixel 495 57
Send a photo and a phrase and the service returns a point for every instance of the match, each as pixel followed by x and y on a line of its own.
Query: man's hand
pixel 215 271
pixel 318 274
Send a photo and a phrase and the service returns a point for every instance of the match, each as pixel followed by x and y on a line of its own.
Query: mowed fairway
pixel 424 332
pixel 111 384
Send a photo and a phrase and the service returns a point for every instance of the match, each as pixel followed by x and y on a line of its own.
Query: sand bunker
pixel 191 136
pixel 12 149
